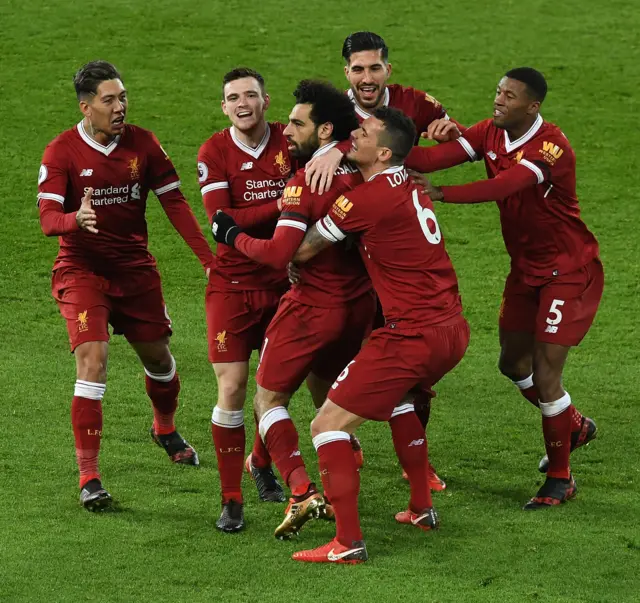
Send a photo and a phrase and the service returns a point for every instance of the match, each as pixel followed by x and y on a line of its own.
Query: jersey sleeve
pixel 427 109
pixel 53 175
pixel 161 173
pixel 549 159
pixel 292 225
pixel 472 140
pixel 346 216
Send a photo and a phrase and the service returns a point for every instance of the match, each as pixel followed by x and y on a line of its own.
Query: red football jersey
pixel 419 106
pixel 402 247
pixel 336 275
pixel 541 224
pixel 252 177
pixel 121 175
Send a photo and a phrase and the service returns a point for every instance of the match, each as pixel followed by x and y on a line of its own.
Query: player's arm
pixel 469 147
pixel 216 195
pixel 519 177
pixel 165 183
pixel 52 188
pixel 343 218
pixel 278 251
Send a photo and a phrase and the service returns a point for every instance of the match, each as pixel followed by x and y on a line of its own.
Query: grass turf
pixel 485 441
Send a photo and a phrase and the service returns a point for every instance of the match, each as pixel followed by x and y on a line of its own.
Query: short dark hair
pixel 90 76
pixel 536 84
pixel 399 134
pixel 363 40
pixel 328 104
pixel 241 72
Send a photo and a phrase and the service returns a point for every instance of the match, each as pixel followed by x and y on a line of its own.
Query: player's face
pixel 365 149
pixel 512 104
pixel 301 132
pixel 107 108
pixel 245 103
pixel 368 73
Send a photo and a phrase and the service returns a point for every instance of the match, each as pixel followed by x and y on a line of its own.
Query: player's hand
pixel 293 272
pixel 208 272
pixel 86 217
pixel 442 130
pixel 423 183
pixel 318 174
pixel 224 228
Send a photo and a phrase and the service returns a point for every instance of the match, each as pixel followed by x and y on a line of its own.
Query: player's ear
pixel 224 108
pixel 267 101
pixel 85 108
pixel 346 71
pixel 384 154
pixel 533 108
pixel 389 69
pixel 325 131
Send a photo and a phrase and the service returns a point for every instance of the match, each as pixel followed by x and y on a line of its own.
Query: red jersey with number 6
pixel 541 224
pixel 402 248
pixel 121 175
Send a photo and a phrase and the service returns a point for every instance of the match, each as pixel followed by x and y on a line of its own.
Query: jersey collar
pixel 255 153
pixel 325 149
pixel 510 146
pixel 359 110
pixel 391 170
pixel 105 150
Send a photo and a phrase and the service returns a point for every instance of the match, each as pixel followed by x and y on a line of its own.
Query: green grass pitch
pixel 484 439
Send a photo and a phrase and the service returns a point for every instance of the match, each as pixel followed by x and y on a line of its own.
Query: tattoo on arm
pixel 312 244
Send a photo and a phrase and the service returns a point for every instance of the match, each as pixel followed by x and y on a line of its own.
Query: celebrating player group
pixel 331 262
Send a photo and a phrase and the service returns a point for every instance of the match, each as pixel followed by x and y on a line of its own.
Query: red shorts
pixel 236 322
pixel 394 361
pixel 303 339
pixel 132 303
pixel 556 309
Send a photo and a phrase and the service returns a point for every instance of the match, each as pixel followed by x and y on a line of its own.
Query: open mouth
pixel 368 92
pixel 497 113
pixel 243 114
pixel 118 123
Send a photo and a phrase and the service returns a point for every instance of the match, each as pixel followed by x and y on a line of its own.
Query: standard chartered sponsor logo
pixel 112 195
pixel 263 189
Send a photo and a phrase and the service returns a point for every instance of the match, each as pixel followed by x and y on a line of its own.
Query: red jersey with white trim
pixel 249 178
pixel 402 248
pixel 421 107
pixel 541 224
pixel 121 175
pixel 336 275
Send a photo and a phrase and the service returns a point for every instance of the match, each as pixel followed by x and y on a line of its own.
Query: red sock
pixel 529 390
pixel 163 391
pixel 341 482
pixel 556 427
pixel 422 407
pixel 281 439
pixel 410 444
pixel 260 456
pixel 576 419
pixel 86 419
pixel 227 430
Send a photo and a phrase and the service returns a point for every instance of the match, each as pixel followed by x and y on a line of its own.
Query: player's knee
pixel 231 393
pixel 91 362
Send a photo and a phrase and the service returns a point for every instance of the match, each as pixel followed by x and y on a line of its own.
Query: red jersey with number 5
pixel 541 224
pixel 121 175
pixel 402 248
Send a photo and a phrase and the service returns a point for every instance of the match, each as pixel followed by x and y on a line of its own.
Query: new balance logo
pixel 417 442
pixel 492 155
pixel 331 556
pixel 551 329
pixel 294 453
pixel 86 173
pixel 246 166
